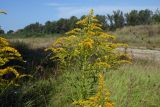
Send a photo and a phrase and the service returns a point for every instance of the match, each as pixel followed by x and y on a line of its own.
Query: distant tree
pixel 118 19
pixel 72 22
pixel 50 27
pixel 36 27
pixel 10 32
pixel 1 31
pixel 156 16
pixel 132 18
pixel 145 16
pixel 62 25
pixel 111 22
pixel 82 17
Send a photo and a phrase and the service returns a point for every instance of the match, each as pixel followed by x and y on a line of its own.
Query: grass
pixel 36 42
pixel 135 85
pixel 139 36
pixel 146 36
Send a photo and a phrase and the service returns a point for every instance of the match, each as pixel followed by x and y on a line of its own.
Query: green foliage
pixel 135 85
pixel 141 17
pixel 110 22
pixel 101 99
pixel 10 32
pixel 156 16
pixel 132 85
pixel 30 94
pixel 2 31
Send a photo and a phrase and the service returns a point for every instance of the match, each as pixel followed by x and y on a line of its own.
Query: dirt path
pixel 144 53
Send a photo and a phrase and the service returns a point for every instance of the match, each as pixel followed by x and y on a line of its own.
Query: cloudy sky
pixel 24 12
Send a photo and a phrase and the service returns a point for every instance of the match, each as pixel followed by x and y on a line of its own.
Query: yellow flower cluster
pixel 101 99
pixel 88 43
pixel 89 40
pixel 8 53
pixel 102 65
pixel 3 42
pixel 7 71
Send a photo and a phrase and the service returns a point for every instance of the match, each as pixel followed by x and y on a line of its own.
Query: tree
pixel 156 16
pixel 1 31
pixel 145 16
pixel 10 32
pixel 111 22
pixel 50 27
pixel 118 19
pixel 35 29
pixel 72 22
pixel 132 18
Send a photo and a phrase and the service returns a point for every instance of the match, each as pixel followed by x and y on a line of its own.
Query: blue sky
pixel 24 12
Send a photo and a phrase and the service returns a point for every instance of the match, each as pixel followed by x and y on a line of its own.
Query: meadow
pixel 134 84
pixel 140 36
pixel 147 36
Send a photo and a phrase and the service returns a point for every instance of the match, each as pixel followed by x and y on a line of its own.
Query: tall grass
pixel 135 85
pixel 139 36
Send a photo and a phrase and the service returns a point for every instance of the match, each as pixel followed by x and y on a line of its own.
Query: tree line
pixel 110 22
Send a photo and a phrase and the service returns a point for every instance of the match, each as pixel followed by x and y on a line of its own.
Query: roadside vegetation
pixel 83 67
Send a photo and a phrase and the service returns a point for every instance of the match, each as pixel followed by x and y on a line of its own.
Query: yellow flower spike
pixel 90 50
pixel 3 42
pixel 96 100
pixel 8 53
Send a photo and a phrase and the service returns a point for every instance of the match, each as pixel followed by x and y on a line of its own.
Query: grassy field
pixel 142 36
pixel 147 36
pixel 135 85
pixel 132 85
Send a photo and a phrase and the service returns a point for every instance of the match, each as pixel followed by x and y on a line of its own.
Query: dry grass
pixel 147 36
pixel 34 43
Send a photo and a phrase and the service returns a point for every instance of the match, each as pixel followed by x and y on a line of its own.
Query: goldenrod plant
pixel 88 47
pixel 101 99
pixel 7 53
pixel 8 74
pixel 87 50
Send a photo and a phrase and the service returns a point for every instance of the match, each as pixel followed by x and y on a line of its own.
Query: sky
pixel 23 12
